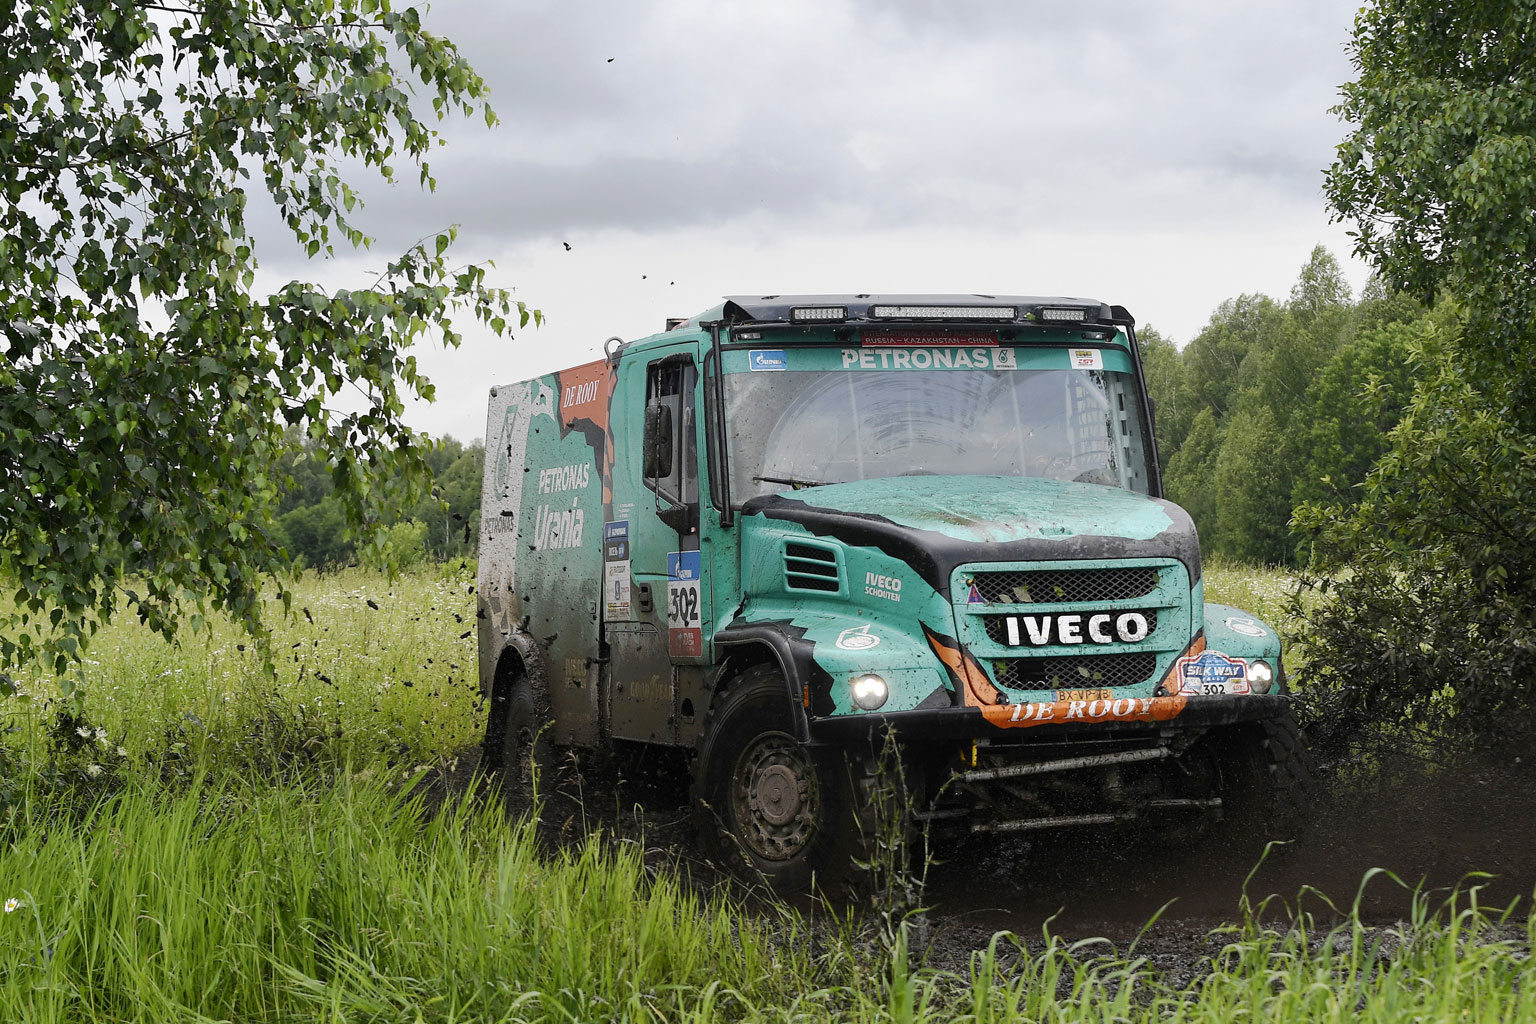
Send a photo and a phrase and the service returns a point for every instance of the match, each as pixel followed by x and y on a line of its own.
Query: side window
pixel 671 454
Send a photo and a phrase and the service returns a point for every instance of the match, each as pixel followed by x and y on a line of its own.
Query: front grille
pixel 1073 672
pixel 1063 586
pixel 997 629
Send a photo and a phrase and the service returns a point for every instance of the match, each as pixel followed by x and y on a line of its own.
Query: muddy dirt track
pixel 1430 828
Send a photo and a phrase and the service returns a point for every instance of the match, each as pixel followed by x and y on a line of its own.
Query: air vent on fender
pixel 811 566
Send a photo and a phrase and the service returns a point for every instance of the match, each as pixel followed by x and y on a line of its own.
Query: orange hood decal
pixel 975 689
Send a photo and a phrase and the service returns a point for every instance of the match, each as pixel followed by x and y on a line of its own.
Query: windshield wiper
pixel 792 481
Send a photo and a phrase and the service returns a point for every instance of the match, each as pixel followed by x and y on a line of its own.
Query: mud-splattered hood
pixel 935 523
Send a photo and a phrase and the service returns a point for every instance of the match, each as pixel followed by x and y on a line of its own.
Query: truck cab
pixel 836 545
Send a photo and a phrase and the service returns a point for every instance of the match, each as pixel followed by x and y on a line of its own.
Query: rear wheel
pixel 773 808
pixel 517 749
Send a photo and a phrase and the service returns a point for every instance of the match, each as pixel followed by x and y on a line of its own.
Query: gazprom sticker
pixel 1212 672
pixel 767 359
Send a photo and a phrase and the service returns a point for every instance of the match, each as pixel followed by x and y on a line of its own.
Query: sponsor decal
pixel 1247 627
pixel 685 633
pixel 1005 359
pixel 767 359
pixel 558 528
pixel 616 593
pixel 1211 672
pixel 1103 709
pixel 563 478
pixel 1087 359
pixel 1087 711
pixel 1075 628
pixel 616 541
pixel 887 588
pixel 921 358
pixel 959 339
pixel 857 638
pixel 584 394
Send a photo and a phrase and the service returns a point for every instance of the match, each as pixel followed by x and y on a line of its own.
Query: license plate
pixel 1084 695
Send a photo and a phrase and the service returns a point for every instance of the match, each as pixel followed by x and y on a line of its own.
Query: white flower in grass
pixel 101 735
pixel 12 905
pixel 93 769
pixel 83 731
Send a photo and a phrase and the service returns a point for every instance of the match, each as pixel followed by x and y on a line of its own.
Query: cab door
pixel 663 627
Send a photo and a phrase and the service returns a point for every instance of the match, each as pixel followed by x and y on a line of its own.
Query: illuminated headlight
pixel 1059 314
pixel 946 312
pixel 869 691
pixel 1261 675
pixel 803 313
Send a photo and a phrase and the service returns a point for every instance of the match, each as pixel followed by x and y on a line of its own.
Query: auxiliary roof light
pixel 1061 314
pixel 945 312
pixel 804 313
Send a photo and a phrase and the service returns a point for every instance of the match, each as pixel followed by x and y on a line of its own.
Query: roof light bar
pixel 945 312
pixel 1059 314
pixel 804 313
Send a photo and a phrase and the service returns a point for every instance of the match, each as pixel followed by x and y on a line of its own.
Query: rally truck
pixel 795 532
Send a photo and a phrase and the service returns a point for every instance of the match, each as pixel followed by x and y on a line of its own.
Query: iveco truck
pixel 797 532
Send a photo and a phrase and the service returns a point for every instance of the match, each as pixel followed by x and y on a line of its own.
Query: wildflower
pixel 93 769
pixel 13 904
pixel 83 731
pixel 101 735
pixel 121 752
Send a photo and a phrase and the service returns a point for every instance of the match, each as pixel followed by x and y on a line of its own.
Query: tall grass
pixel 230 902
pixel 352 903
pixel 366 668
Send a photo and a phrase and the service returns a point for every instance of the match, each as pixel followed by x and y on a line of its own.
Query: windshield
pixel 996 415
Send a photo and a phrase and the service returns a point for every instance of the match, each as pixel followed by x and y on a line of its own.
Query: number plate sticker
pixel 1084 695
pixel 1211 673
pixel 685 634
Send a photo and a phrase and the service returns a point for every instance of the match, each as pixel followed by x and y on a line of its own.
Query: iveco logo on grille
pixel 1099 628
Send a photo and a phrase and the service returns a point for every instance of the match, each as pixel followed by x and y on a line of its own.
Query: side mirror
pixel 657 450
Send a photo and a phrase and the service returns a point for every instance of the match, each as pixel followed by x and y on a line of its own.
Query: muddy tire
pixel 517 750
pixel 766 805
pixel 1272 782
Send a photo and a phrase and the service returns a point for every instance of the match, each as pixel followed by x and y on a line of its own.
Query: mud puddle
pixel 1433 830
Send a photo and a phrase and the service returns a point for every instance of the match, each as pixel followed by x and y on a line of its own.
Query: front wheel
pixel 1271 781
pixel 772 807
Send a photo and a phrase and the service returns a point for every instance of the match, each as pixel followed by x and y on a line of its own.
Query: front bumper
pixel 1057 721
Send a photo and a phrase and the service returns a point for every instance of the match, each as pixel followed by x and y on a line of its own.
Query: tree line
pixel 311 522
pixel 1281 403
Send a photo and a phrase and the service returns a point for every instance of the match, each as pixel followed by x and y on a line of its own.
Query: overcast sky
pixel 1162 156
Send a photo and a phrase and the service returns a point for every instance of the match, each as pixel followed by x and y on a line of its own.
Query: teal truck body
pixel 792 527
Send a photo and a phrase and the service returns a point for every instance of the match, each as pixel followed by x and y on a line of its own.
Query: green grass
pixel 260 851
pixel 376 669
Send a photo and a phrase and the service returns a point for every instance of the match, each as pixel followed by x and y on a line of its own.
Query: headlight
pixel 869 691
pixel 1261 675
